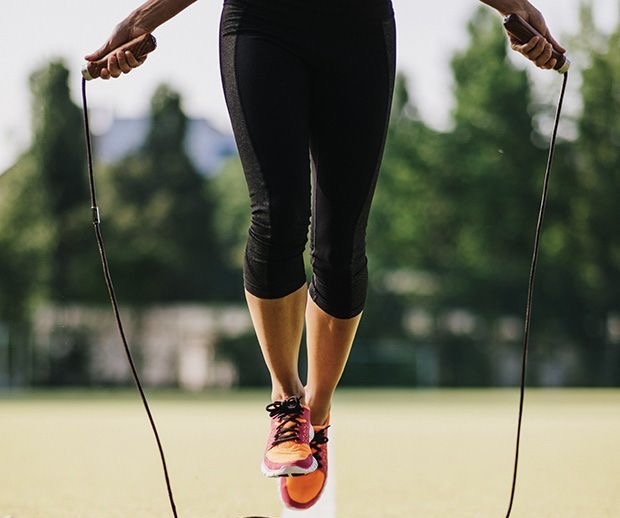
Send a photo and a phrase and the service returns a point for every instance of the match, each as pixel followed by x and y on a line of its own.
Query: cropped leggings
pixel 308 85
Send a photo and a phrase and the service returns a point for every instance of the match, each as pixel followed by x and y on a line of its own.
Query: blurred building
pixel 115 138
pixel 173 346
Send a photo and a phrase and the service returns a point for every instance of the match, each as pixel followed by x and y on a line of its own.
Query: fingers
pixel 542 49
pixel 116 61
pixel 555 44
pixel 538 50
pixel 116 40
pixel 100 53
pixel 121 62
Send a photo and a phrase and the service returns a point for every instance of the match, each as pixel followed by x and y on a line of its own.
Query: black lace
pixel 288 412
pixel 320 438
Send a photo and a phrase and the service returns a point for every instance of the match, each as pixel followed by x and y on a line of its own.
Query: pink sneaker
pixel 303 492
pixel 288 447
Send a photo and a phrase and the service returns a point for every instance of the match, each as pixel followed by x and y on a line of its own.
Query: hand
pixel 118 62
pixel 538 50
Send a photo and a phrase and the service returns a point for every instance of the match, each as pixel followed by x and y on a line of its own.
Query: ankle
pixel 319 419
pixel 282 393
pixel 319 409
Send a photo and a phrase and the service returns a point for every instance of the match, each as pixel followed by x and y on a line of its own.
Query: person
pixel 308 85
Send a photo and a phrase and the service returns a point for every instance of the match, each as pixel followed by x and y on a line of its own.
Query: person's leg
pixel 278 324
pixel 266 91
pixel 329 340
pixel 349 121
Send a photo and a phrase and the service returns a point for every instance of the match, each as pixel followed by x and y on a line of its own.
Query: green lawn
pixel 427 454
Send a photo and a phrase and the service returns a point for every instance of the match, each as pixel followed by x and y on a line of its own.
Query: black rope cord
pixel 528 306
pixel 113 300
pixel 530 288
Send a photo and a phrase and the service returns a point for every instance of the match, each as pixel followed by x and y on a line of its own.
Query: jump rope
pixel 146 43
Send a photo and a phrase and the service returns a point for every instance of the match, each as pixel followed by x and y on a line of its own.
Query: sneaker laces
pixel 289 414
pixel 316 444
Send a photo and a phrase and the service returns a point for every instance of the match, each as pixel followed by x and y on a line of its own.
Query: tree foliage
pixel 58 154
pixel 159 215
pixel 43 200
pixel 493 174
pixel 25 240
pixel 44 229
pixel 232 214
pixel 595 213
pixel 460 204
pixel 455 212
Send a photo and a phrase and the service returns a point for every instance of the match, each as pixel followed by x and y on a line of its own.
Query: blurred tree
pixel 26 237
pixel 44 227
pixel 456 211
pixel 232 211
pixel 493 176
pixel 400 226
pixel 403 222
pixel 595 213
pixel 58 155
pixel 161 242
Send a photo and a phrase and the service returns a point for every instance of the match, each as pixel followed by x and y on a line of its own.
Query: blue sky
pixel 34 31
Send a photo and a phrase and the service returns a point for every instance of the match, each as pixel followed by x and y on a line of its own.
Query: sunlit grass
pixel 427 454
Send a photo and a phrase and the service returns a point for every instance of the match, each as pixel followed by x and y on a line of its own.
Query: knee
pixel 273 263
pixel 278 231
pixel 340 289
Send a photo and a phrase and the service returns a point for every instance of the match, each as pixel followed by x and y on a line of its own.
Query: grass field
pixel 426 454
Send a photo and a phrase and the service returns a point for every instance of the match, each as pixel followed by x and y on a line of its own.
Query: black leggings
pixel 309 78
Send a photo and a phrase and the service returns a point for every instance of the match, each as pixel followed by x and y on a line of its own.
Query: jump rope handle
pixel 524 32
pixel 139 47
